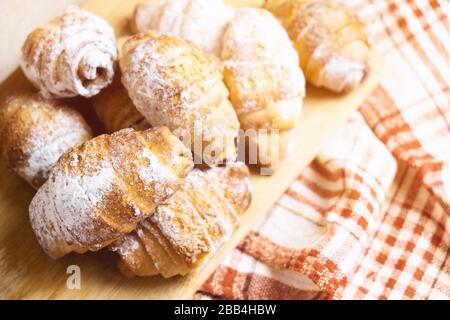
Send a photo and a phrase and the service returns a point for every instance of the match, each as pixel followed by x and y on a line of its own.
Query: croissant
pixel 202 22
pixel 115 109
pixel 265 81
pixel 72 55
pixel 175 84
pixel 102 189
pixel 190 227
pixel 35 132
pixel 330 39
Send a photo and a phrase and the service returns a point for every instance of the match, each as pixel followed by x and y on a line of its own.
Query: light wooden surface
pixel 26 272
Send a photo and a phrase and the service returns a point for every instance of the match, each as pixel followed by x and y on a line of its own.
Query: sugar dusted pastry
pixel 190 227
pixel 102 189
pixel 175 84
pixel 35 132
pixel 72 55
pixel 201 21
pixel 115 109
pixel 265 81
pixel 330 39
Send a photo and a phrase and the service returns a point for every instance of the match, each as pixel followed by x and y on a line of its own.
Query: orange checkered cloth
pixel 370 217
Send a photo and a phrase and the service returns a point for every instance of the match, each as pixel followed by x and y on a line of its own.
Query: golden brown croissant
pixel 175 84
pixel 200 21
pixel 35 132
pixel 102 189
pixel 115 109
pixel 265 81
pixel 72 55
pixel 190 227
pixel 331 41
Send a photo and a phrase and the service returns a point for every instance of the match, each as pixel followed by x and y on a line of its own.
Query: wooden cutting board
pixel 26 272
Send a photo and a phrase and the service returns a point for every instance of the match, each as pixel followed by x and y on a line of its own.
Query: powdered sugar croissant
pixel 331 41
pixel 200 21
pixel 175 84
pixel 101 190
pixel 72 55
pixel 265 81
pixel 35 132
pixel 190 227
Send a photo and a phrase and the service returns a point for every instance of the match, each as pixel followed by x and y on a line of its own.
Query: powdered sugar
pixel 155 171
pixel 194 222
pixel 75 201
pixel 331 38
pixel 94 194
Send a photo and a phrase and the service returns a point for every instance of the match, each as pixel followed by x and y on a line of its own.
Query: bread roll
pixel 265 81
pixel 73 55
pixel 202 22
pixel 102 189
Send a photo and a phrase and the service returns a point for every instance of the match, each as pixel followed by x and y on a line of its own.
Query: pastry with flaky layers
pixel 265 81
pixel 102 189
pixel 330 39
pixel 202 22
pixel 73 55
pixel 35 132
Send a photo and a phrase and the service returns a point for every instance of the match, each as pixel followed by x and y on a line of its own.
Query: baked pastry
pixel 72 55
pixel 102 189
pixel 190 227
pixel 266 148
pixel 35 132
pixel 200 21
pixel 330 39
pixel 175 84
pixel 115 109
pixel 265 82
